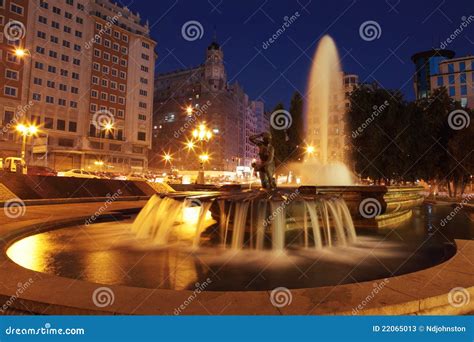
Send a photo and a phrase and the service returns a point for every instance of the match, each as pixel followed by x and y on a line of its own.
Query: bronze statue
pixel 266 165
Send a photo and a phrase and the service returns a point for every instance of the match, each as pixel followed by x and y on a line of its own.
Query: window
pixel 40 49
pixel 72 126
pixel 463 90
pixel 79 20
pixel 61 125
pixel 49 99
pixel 51 69
pixel 48 123
pixel 50 84
pixel 41 35
pixel 56 10
pixel 77 47
pixel 39 65
pixel 462 66
pixel 37 81
pixel 73 104
pixel 94 94
pixel 63 87
pixel 36 97
pixel 67 29
pixel 463 78
pixel 452 91
pixel 43 4
pixel 42 19
pixel 79 34
pixel 10 91
pixel 451 79
pixel 11 74
pixel 68 15
pixel 62 102
pixel 55 24
pixel 54 40
pixel 142 117
pixel 16 9
pixel 141 136
pixel 450 67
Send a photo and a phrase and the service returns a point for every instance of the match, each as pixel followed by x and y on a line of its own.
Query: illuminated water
pixel 109 253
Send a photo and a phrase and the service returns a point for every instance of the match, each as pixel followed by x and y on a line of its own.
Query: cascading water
pixel 249 223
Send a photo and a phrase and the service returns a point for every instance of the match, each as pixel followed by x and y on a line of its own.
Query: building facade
pixel 457 75
pixel 187 99
pixel 427 65
pixel 88 85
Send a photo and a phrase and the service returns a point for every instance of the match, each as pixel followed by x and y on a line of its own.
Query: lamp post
pixel 22 53
pixel 25 131
pixel 105 127
pixel 202 134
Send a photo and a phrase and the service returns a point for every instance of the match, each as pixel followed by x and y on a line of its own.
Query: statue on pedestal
pixel 266 166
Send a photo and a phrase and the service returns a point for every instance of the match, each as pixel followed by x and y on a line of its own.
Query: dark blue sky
pixel 276 72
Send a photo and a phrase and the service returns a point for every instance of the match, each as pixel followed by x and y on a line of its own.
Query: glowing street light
pixel 310 149
pixel 189 110
pixel 25 131
pixel 19 52
pixel 167 158
pixel 204 157
pixel 190 145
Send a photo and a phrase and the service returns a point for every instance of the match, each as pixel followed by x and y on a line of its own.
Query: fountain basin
pixel 394 204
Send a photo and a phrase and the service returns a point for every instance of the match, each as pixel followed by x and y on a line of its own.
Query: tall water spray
pixel 324 116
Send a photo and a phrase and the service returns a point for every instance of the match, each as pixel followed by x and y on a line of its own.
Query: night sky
pixel 273 74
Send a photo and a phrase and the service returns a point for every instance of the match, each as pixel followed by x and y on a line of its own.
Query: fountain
pixel 317 216
pixel 248 220
pixel 248 239
pixel 324 112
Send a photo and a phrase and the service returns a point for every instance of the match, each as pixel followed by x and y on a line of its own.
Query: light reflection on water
pixel 108 253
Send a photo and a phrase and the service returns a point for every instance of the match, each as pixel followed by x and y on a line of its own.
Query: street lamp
pixel 25 131
pixel 202 134
pixel 19 52
pixel 310 149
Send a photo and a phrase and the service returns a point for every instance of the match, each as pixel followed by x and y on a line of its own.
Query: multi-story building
pixel 427 65
pixel 13 23
pixel 185 99
pixel 88 75
pixel 438 68
pixel 457 75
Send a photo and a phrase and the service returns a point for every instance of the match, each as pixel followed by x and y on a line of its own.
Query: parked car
pixel 34 170
pixel 77 173
pixel 14 164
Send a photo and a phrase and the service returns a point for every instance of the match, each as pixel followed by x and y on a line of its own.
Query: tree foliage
pixel 396 140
